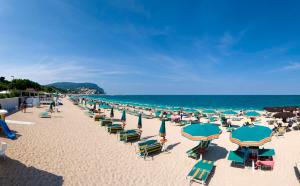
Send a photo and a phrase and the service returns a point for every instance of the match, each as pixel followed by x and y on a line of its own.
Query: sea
pixel 235 102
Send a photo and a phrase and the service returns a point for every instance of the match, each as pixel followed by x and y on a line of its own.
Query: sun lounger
pixel 198 150
pixel 130 135
pixel 45 115
pixel 148 147
pixel 114 128
pixel 281 132
pixel 237 157
pixel 98 117
pixel 105 122
pixel 200 172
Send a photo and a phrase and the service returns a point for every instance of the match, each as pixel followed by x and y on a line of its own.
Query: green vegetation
pixel 17 85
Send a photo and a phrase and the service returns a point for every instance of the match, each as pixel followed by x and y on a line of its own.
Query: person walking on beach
pixel 24 106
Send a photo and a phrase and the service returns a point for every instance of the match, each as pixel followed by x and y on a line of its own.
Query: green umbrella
pixel 123 118
pixel 251 135
pixel 198 132
pixel 140 121
pixel 229 112
pixel 162 130
pixel 112 113
pixel 252 114
pixel 209 111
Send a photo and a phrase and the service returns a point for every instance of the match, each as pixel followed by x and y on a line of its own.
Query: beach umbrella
pixel 123 118
pixel 112 113
pixel 252 114
pixel 209 111
pixel 251 135
pixel 229 112
pixel 140 121
pixel 201 132
pixel 162 129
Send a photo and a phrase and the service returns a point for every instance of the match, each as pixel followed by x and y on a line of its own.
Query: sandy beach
pixel 72 149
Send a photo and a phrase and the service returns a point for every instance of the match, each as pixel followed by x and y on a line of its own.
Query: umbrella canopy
pixel 209 111
pixel 123 118
pixel 140 121
pixel 284 115
pixel 251 135
pixel 252 114
pixel 205 132
pixel 162 129
pixel 112 113
pixel 229 112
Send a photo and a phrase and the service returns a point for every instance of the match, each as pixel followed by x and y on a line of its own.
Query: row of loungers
pixel 199 173
pixel 144 149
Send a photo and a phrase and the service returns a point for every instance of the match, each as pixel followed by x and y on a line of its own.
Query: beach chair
pixel 281 131
pixel 114 128
pixel 146 148
pixel 3 148
pixel 89 114
pixel 44 115
pixel 99 117
pixel 105 122
pixel 265 159
pixel 200 172
pixel 129 135
pixel 198 150
pixel 237 158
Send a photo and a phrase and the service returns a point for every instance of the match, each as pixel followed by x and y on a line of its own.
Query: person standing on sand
pixel 24 106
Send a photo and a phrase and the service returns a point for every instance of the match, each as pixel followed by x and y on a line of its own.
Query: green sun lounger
pixel 196 151
pixel 148 147
pixel 114 128
pixel 237 157
pixel 130 135
pixel 200 172
pixel 105 122
pixel 45 115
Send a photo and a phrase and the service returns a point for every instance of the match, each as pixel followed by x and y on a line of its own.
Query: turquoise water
pixel 210 101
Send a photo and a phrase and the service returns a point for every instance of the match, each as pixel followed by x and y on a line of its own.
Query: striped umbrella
pixel 140 121
pixel 251 135
pixel 201 132
pixel 162 130
pixel 123 118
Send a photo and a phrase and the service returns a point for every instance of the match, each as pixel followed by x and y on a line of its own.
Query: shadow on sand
pixel 13 172
pixel 297 173
pixel 170 147
pixel 147 137
pixel 215 153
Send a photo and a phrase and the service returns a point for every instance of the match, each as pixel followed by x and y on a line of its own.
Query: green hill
pixel 78 88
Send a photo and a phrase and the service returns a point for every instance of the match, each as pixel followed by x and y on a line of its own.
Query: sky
pixel 154 46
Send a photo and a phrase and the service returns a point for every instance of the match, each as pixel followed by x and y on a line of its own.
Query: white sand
pixel 71 149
